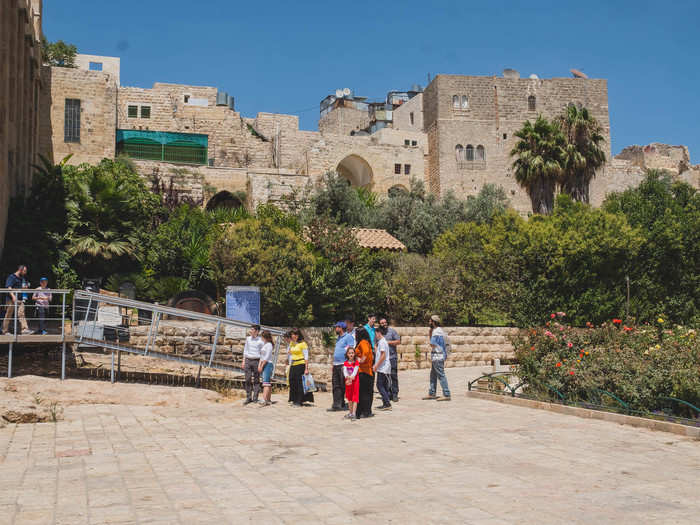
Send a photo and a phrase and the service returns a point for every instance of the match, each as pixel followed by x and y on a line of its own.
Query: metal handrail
pixel 167 310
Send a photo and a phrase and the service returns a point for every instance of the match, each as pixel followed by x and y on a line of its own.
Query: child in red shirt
pixel 352 383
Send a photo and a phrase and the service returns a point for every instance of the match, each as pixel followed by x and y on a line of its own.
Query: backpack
pixel 448 346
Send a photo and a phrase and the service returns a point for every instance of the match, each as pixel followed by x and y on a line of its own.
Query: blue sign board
pixel 243 303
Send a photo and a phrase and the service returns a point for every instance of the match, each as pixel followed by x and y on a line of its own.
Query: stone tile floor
pixel 466 461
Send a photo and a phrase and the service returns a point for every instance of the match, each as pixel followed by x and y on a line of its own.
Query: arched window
pixel 465 102
pixel 531 103
pixel 459 152
pixel 470 152
pixel 480 152
pixel 455 102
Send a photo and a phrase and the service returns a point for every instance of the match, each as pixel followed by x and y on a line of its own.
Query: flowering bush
pixel 639 365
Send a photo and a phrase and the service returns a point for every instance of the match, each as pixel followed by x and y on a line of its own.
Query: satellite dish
pixel 346 92
pixel 338 93
pixel 534 77
pixel 578 74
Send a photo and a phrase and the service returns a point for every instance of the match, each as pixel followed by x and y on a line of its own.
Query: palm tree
pixel 538 162
pixel 583 153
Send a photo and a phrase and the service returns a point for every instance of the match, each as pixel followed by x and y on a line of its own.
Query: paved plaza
pixel 466 461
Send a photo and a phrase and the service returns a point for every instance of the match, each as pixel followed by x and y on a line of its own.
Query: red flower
pixel 617 321
pixel 569 345
pixel 588 324
pixel 581 354
pixel 553 316
pixel 532 348
pixel 571 372
pixel 558 365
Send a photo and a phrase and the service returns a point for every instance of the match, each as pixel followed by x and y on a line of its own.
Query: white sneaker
pixel 27 331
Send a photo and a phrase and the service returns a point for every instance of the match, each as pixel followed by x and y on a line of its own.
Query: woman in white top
pixel 266 368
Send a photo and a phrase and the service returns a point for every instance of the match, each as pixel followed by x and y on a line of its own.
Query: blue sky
pixel 284 57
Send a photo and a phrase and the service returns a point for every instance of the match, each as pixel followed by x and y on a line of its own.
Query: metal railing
pixel 31 316
pixel 125 325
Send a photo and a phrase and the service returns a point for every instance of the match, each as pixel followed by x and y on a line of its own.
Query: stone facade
pixel 271 159
pixel 97 93
pixel 20 88
pixel 483 113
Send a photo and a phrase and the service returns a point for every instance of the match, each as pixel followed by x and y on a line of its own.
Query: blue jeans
pixel 437 371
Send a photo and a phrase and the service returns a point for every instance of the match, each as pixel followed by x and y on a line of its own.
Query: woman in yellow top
pixel 298 367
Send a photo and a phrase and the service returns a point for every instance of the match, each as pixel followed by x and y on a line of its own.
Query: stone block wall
pixel 496 108
pixel 97 93
pixel 471 346
pixel 20 89
pixel 342 121
pixel 402 115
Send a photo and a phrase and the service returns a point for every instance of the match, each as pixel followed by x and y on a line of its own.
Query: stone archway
pixel 356 171
pixel 224 199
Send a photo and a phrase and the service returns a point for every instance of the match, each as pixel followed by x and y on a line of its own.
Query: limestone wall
pixel 402 115
pixel 471 346
pixel 20 89
pixel 496 107
pixel 97 93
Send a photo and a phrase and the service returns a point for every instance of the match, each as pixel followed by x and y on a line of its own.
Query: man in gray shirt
pixel 394 340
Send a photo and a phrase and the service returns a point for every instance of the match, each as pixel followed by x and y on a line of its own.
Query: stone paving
pixel 466 461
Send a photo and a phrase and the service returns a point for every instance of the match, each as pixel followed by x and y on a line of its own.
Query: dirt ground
pixel 33 399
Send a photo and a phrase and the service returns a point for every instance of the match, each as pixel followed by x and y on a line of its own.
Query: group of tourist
pixel 362 356
pixel 15 302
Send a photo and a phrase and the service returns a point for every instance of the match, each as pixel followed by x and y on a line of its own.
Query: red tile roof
pixel 377 239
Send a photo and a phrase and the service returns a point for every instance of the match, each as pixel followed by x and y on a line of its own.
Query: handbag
pixel 307 381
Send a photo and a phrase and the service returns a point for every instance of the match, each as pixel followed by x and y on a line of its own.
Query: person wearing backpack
pixel 438 354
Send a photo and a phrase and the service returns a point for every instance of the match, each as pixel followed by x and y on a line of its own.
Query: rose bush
pixel 639 365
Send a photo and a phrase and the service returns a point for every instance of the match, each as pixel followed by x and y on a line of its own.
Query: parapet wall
pixel 471 346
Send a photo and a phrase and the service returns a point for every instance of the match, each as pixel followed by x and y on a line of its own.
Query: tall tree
pixel 538 162
pixel 583 153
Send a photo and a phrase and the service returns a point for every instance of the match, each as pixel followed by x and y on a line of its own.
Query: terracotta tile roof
pixel 377 239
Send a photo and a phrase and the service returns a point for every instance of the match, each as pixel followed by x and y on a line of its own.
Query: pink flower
pixel 553 316
pixel 569 345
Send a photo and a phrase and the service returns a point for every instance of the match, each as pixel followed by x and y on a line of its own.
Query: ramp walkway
pixel 119 324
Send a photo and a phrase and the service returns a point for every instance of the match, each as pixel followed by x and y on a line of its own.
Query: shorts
pixel 268 369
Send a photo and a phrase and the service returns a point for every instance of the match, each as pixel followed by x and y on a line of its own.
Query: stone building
pixel 456 135
pixel 20 89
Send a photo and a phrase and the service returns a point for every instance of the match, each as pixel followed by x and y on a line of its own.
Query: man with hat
pixel 343 342
pixel 42 300
pixel 438 354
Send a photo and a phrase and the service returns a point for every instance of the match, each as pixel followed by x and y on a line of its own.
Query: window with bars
pixel 132 111
pixel 145 111
pixel 407 169
pixel 397 169
pixel 71 126
pixel 531 103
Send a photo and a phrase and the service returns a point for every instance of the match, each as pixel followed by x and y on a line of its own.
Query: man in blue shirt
pixel 15 301
pixel 343 342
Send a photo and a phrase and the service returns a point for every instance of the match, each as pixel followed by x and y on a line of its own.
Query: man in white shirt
pixel 251 361
pixel 382 369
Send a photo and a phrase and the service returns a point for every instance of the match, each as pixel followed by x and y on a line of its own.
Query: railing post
pixel 9 362
pixel 63 361
pixel 63 316
pixel 216 340
pixel 111 375
pixel 152 331
pixel 15 315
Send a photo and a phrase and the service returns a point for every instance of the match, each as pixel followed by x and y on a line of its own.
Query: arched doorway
pixel 225 199
pixel 397 190
pixel 356 170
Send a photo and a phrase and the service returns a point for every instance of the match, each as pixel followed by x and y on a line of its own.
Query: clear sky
pixel 285 56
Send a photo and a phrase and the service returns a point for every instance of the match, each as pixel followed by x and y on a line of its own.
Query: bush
pixel 419 286
pixel 634 364
pixel 259 252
